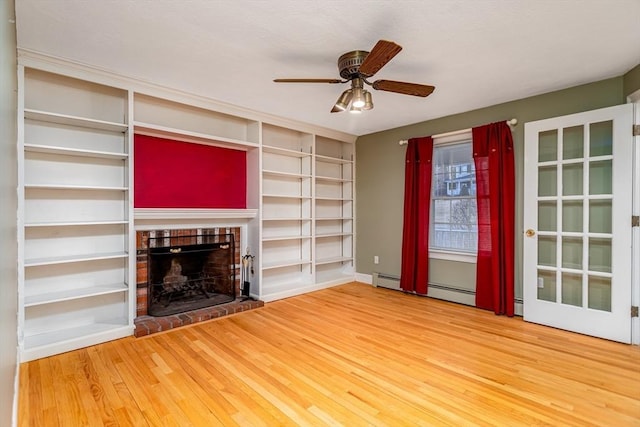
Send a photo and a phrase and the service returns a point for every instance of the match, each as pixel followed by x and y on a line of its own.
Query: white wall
pixel 8 216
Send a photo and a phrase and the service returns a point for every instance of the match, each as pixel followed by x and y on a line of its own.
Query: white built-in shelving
pixel 287 198
pixel 307 211
pixel 77 221
pixel 74 200
pixel 334 210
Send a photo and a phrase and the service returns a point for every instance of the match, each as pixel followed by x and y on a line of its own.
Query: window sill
pixel 452 256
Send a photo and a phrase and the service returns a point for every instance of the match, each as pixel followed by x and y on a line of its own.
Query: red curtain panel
pixel 495 181
pixel 417 200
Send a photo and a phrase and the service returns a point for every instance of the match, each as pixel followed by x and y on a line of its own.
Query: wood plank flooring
pixel 352 355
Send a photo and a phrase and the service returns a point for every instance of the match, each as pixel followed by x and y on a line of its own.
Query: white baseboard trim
pixel 364 278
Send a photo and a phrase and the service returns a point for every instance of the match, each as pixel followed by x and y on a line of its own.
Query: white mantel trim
pixel 173 213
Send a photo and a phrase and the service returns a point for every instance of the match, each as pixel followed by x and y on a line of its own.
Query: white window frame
pixel 450 139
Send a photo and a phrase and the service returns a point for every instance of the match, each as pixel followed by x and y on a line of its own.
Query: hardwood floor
pixel 352 355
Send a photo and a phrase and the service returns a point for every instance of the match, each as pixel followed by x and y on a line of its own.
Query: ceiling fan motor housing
pixel 349 63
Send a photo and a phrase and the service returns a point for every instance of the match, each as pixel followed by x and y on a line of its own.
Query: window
pixel 454 219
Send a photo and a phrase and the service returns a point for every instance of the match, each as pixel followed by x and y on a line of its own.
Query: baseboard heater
pixel 384 280
pixel 447 293
pixel 436 290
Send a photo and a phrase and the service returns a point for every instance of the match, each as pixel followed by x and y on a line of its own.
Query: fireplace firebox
pixel 189 272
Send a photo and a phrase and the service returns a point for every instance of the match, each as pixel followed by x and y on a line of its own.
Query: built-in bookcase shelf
pixel 287 204
pixel 189 136
pixel 73 258
pixel 73 152
pixel 71 337
pixel 75 203
pixel 307 211
pixel 70 294
pixel 175 120
pixel 77 221
pixel 334 210
pixel 65 119
pixel 74 223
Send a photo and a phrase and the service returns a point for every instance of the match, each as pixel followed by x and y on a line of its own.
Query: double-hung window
pixel 454 219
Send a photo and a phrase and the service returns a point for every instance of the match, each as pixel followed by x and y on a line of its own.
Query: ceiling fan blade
pixel 308 81
pixel 381 53
pixel 403 87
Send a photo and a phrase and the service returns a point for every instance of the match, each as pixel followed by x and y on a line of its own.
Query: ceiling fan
pixel 359 65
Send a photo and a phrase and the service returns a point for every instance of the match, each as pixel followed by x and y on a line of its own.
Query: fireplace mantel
pixel 189 213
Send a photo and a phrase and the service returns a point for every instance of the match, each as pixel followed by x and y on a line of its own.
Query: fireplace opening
pixel 190 272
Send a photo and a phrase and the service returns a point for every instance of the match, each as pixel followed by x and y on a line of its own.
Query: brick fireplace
pixel 211 241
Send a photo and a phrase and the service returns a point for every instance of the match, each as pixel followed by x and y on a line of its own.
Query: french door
pixel 577 222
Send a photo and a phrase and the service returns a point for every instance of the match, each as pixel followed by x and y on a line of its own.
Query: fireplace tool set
pixel 246 273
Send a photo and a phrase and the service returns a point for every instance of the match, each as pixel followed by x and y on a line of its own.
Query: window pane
pixel 547 181
pixel 600 177
pixel 572 289
pixel 601 136
pixel 600 293
pixel 454 212
pixel 547 216
pixel 547 285
pixel 600 216
pixel 548 145
pixel 572 179
pixel 573 144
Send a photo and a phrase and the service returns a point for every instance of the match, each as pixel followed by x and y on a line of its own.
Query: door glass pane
pixel 573 142
pixel 572 289
pixel 600 255
pixel 547 251
pixel 600 293
pixel 572 179
pixel 600 216
pixel 600 177
pixel 601 137
pixel 547 216
pixel 572 215
pixel 547 181
pixel 572 252
pixel 548 145
pixel 547 285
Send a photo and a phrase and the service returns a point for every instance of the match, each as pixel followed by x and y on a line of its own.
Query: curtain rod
pixel 511 122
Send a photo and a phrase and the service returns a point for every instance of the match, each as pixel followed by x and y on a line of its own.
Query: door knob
pixel 530 233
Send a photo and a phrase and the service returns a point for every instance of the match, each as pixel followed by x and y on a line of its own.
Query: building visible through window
pixel 454 219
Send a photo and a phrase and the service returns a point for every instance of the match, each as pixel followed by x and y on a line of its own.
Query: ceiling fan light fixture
pixel 368 100
pixel 359 65
pixel 358 98
pixel 343 101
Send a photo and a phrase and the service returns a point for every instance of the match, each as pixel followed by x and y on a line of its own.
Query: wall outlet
pixel 376 259
pixel 540 282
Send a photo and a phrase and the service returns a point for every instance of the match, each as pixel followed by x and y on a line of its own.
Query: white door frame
pixel 635 239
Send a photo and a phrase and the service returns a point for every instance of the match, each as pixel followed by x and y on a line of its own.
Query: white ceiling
pixel 476 52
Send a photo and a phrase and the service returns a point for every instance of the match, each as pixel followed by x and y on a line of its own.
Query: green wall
pixel 380 174
pixel 632 80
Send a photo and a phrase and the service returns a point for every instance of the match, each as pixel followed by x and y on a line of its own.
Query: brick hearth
pixel 146 325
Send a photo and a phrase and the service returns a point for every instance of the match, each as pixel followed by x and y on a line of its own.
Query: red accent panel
pixel 174 174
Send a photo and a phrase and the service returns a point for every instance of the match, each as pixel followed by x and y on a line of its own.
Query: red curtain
pixel 417 200
pixel 495 183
